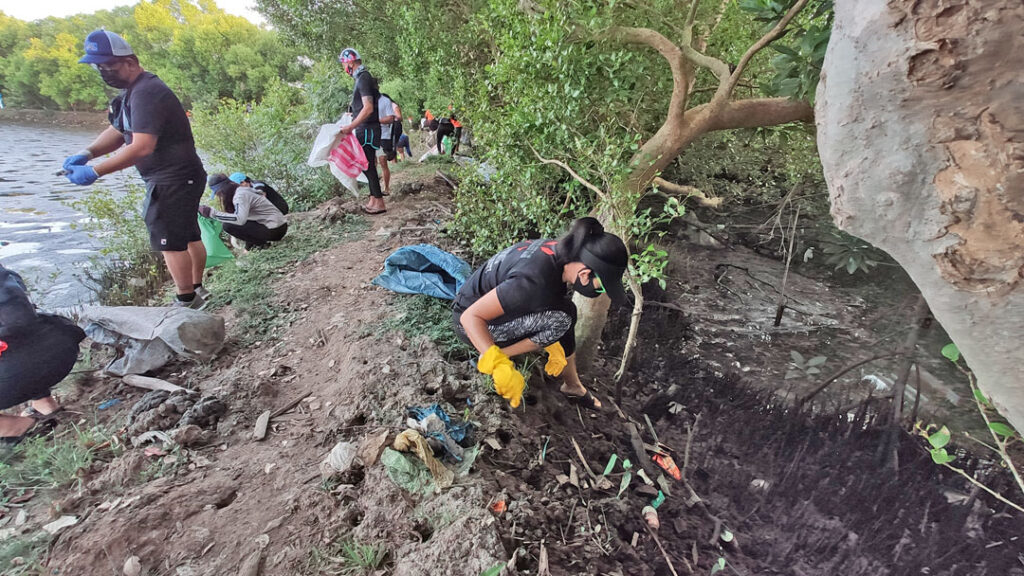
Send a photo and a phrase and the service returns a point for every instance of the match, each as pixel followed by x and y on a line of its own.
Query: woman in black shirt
pixel 518 302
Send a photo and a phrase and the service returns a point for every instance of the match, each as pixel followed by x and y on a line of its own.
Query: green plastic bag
pixel 216 252
pixel 446 145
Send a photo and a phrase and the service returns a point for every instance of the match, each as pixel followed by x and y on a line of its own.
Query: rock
pixel 190 435
pixel 259 431
pixel 132 566
pixel 59 524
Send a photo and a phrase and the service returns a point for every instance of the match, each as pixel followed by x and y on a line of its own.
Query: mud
pixel 800 494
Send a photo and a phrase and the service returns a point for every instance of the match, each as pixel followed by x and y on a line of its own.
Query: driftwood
pixel 153 384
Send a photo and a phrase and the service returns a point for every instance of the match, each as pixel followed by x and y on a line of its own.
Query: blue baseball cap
pixel 238 177
pixel 102 47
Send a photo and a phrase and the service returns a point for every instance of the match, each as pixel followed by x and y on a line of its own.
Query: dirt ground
pixel 767 490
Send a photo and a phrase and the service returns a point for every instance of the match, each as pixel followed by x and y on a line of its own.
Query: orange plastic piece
pixel 668 465
pixel 498 507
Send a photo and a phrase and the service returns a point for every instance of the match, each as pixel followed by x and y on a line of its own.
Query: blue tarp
pixel 424 269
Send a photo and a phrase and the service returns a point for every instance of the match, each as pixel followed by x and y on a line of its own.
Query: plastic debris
pixel 658 500
pixel 499 506
pixel 406 472
pixel 108 403
pixel 372 447
pixel 413 441
pixel 643 476
pixel 668 465
pixel 433 422
pixel 651 517
pixel 339 461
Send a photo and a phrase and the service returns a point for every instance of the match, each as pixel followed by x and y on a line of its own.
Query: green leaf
pixel 817 361
pixel 1002 429
pixel 797 357
pixel 493 570
pixel 951 352
pixel 940 456
pixel 786 50
pixel 718 566
pixel 980 397
pixel 940 438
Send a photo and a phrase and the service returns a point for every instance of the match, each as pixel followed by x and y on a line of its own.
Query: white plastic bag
pixel 325 141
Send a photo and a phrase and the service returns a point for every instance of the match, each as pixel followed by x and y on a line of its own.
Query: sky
pixel 36 9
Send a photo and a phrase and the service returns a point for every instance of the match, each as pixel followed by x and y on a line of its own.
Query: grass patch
pixel 347 558
pixel 247 282
pixel 22 555
pixel 54 461
pixel 420 315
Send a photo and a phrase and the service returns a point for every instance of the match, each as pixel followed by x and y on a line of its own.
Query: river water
pixel 37 235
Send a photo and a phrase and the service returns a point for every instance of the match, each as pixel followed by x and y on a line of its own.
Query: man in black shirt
pixel 365 122
pixel 149 130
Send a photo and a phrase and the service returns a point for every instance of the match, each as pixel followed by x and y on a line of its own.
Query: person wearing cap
pixel 263 188
pixel 149 130
pixel 248 215
pixel 518 302
pixel 365 123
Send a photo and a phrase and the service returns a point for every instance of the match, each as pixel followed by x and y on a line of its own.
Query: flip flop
pixel 586 401
pixel 38 429
pixel 372 212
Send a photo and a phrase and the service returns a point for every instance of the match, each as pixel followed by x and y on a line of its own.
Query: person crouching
pixel 248 215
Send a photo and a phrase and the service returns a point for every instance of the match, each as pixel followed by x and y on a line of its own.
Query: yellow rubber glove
pixel 508 381
pixel 556 359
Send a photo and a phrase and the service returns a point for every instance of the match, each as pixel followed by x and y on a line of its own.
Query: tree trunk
pixel 592 315
pixel 920 117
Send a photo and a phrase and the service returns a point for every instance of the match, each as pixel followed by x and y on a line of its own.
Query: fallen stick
pixel 153 384
pixel 289 405
pixel 664 553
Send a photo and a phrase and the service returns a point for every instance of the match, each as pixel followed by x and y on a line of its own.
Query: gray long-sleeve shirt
pixel 251 205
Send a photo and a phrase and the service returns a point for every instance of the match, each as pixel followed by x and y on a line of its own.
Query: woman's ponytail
pixel 582 230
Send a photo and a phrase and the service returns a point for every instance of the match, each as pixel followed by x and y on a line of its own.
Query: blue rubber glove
pixel 82 175
pixel 80 159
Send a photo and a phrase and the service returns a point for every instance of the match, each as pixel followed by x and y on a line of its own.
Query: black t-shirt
pixel 366 85
pixel 526 275
pixel 148 106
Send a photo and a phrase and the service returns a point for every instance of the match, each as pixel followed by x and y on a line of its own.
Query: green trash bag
pixel 216 252
pixel 446 145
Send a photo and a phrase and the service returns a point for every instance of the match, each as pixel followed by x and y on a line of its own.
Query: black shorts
pixel 171 213
pixel 36 360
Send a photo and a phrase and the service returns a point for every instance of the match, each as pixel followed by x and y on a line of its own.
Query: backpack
pixel 16 311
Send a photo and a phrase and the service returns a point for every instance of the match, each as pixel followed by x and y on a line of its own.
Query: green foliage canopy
pixel 203 53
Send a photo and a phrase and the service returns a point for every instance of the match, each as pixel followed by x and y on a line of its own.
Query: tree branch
pixel 672 53
pixel 571 172
pixel 755 113
pixel 688 191
pixel 765 40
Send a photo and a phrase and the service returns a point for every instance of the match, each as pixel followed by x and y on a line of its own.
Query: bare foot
pixel 45 406
pixel 14 426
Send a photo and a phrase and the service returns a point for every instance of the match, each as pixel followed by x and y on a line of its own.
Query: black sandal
pixel 38 429
pixel 586 401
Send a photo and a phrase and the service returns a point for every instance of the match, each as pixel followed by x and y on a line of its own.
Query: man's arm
pixel 363 115
pixel 108 141
pixel 142 145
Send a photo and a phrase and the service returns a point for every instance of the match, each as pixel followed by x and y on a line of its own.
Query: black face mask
pixel 113 80
pixel 586 290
